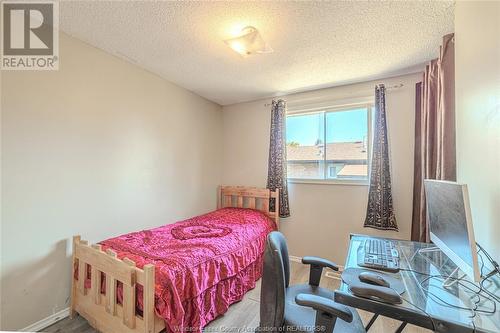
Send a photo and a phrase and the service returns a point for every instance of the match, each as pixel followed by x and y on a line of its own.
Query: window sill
pixel 355 182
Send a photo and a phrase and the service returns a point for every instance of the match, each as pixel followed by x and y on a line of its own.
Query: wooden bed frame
pixel 250 197
pixel 102 311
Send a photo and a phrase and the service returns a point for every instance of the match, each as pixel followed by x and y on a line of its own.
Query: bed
pixel 178 276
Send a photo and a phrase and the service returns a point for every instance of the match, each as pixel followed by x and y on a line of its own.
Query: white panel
pixel 17 29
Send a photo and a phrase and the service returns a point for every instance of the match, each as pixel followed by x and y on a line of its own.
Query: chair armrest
pixel 323 304
pixel 317 261
pixel 316 270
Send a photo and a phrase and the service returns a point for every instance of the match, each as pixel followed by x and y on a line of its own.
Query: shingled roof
pixel 336 151
pixel 353 170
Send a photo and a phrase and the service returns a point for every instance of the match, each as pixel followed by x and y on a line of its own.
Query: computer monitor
pixel 450 224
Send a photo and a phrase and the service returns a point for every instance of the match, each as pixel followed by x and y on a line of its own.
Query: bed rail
pixel 102 311
pixel 249 197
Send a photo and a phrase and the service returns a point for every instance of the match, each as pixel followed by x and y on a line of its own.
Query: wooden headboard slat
pixel 256 198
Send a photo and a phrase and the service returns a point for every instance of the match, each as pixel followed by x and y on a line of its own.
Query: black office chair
pixel 299 308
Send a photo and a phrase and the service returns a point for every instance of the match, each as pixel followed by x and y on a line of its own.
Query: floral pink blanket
pixel 203 264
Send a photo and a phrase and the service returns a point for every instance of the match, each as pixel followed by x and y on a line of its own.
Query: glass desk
pixel 419 292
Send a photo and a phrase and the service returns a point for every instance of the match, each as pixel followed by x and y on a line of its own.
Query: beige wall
pixel 324 215
pixel 477 51
pixel 98 148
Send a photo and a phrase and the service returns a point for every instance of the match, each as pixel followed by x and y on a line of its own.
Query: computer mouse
pixel 373 278
pixel 375 292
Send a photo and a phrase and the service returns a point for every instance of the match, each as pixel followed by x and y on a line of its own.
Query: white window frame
pixel 369 105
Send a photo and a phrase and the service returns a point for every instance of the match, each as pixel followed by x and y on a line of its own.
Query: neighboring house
pixel 343 160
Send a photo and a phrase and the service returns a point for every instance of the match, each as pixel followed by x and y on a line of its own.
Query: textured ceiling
pixel 316 44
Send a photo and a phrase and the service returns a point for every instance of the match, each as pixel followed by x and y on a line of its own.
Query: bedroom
pixel 148 110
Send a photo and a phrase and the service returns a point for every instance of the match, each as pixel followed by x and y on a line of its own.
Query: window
pixel 329 145
pixel 334 169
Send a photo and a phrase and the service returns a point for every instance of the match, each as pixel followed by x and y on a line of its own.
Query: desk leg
pixel 401 327
pixel 370 323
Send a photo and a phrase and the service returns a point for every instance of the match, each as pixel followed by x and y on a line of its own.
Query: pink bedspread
pixel 203 264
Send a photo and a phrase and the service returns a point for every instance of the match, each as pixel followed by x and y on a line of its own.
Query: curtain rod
pixel 393 87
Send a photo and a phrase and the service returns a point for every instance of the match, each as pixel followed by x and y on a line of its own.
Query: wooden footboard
pixel 103 311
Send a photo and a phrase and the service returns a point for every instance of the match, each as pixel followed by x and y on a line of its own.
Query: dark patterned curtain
pixel 276 172
pixel 380 211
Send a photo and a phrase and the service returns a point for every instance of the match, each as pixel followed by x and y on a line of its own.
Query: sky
pixel 342 126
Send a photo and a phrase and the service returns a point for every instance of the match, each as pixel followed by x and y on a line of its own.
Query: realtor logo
pixel 30 38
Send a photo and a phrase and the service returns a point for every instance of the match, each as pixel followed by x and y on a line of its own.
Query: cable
pixel 460 281
pixel 473 310
pixel 485 253
pixel 491 274
pixel 482 262
pixel 419 308
pixel 479 293
pixel 496 270
pixel 476 293
pixel 489 293
pixel 496 266
pixel 481 284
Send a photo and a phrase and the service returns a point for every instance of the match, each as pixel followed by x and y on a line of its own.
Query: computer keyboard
pixel 378 254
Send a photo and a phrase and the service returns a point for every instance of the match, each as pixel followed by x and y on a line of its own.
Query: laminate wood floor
pixel 244 316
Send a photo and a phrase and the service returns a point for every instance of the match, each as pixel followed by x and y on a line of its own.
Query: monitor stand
pixel 453 277
pixel 428 249
pixel 425 250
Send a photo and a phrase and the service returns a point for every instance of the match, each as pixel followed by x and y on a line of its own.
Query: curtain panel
pixel 276 172
pixel 380 210
pixel 434 156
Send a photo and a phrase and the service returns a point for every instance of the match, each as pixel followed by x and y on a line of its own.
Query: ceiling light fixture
pixel 249 42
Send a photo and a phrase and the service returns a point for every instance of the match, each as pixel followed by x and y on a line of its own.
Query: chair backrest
pixel 275 279
pixel 278 242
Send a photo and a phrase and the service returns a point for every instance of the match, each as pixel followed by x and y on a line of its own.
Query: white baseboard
pixel 46 322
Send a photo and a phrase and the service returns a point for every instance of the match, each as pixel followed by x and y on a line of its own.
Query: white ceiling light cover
pixel 250 42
